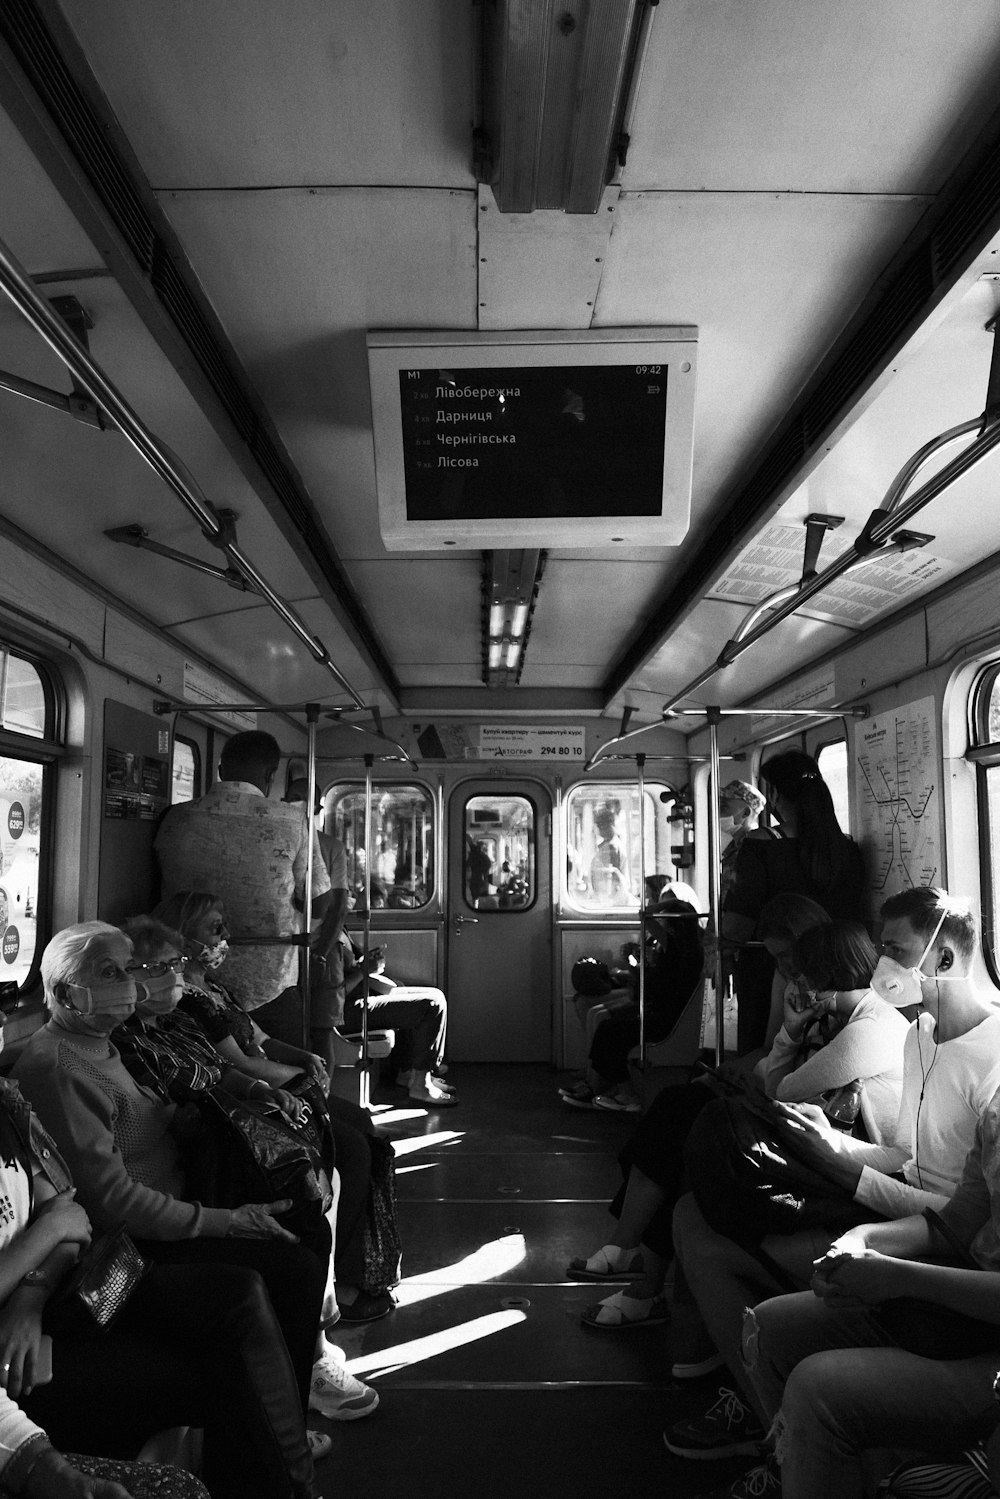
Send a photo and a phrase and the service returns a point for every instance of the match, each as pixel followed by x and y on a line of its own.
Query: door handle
pixel 460 921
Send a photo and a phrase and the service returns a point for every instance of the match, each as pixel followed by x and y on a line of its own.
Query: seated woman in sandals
pixel 837 1039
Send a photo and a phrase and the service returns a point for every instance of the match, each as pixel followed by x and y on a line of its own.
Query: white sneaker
pixel 336 1394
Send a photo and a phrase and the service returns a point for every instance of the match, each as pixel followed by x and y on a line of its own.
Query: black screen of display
pixel 554 442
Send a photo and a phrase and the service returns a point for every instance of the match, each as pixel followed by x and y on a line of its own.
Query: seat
pixel 669 1061
pixel 349 1072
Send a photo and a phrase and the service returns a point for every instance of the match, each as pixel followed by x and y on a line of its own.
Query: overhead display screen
pixel 566 442
pixel 533 439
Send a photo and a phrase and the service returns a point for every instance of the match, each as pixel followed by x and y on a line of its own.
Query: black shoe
pixel 365 1308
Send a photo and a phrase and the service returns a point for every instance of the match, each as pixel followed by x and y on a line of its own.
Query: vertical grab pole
pixel 312 718
pixel 640 761
pixel 715 872
pixel 365 1094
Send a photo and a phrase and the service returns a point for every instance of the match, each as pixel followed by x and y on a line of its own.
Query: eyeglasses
pixel 158 970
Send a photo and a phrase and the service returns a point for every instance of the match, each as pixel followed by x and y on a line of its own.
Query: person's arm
pixel 295 1059
pixel 47 1248
pixel 324 944
pixel 80 1116
pixel 258 1067
pixel 872 1277
pixel 863 1048
pixel 837 1156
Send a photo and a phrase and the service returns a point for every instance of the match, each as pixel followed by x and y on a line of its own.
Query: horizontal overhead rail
pixel 17 284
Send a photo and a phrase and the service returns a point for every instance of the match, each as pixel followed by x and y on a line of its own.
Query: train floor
pixel 489 1383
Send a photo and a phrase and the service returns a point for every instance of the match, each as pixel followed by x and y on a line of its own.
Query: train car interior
pixel 533 415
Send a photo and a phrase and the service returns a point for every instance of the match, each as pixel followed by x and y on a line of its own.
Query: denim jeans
pixel 838 1388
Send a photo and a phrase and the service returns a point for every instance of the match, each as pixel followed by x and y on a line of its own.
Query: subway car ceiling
pixel 234 195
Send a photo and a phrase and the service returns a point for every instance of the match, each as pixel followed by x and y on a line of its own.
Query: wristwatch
pixel 37 1278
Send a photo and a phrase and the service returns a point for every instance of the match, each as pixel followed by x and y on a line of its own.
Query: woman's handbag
pixel 102 1281
pixel 381 1246
pixel 933 1331
pixel 249 1151
pixel 748 1184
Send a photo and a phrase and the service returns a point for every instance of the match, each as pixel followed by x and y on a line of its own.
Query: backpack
pixel 748 1184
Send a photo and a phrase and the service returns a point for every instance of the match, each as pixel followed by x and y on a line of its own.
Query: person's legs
pixel 211 1331
pixel 421 1011
pixel 779 1332
pixel 844 1403
pixel 723 1279
pixel 354 1164
pixel 295 1278
pixel 613 1039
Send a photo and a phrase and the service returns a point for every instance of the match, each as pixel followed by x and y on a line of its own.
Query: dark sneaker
pixel 762 1481
pixel 727 1429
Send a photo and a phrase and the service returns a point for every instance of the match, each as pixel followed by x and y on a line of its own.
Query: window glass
pixel 986 732
pixel 832 762
pixel 21 786
pixel 184 772
pixel 27 714
pixel 499 853
pixel 22 696
pixel 602 843
pixel 402 876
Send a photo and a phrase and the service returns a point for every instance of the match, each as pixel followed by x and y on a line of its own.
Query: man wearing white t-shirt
pixel 951 1070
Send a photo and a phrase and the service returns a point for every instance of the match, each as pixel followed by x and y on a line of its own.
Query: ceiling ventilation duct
pixel 559 83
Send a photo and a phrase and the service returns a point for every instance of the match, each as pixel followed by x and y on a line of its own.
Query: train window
pixel 27 751
pixel 832 762
pixel 499 853
pixel 23 699
pixel 986 735
pixel 185 771
pixel 402 835
pixel 602 843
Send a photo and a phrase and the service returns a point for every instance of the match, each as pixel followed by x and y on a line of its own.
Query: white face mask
pixel 901 986
pixel 158 994
pixel 110 998
pixel 727 825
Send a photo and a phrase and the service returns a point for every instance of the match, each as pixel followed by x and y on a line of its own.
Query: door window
pixel 500 853
pixel 402 834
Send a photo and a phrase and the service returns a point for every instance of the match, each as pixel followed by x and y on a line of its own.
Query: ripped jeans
pixel 835 1388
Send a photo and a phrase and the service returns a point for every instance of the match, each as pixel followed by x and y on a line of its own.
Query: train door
pixel 500 922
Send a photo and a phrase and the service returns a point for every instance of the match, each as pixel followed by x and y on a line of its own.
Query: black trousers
pixel 197 1345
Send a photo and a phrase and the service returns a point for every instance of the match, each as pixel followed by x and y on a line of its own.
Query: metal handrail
pixel 16 282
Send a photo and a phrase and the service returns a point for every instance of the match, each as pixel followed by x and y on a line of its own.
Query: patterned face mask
pixel 213 955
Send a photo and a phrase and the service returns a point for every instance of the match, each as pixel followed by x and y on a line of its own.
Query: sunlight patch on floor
pixel 404 1355
pixel 486 1263
pixel 427 1142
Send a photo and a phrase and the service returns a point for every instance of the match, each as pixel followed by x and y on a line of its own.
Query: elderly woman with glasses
pixel 117 1137
pixel 197 1345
